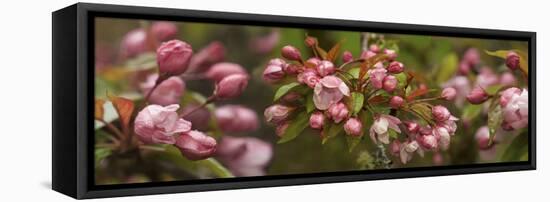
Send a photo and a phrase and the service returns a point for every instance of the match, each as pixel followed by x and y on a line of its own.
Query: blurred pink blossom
pixel 265 44
pixel 167 92
pixel 379 130
pixel 236 118
pixel 223 69
pixel 245 156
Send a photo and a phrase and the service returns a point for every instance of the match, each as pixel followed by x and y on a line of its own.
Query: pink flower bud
pixel 377 76
pixel 367 54
pixel 471 57
pixel 167 92
pixel 156 124
pixel 338 112
pixel 391 54
pixel 389 83
pixel 195 145
pixel 317 120
pixel 347 56
pixel 507 79
pixel 291 97
pixel 310 41
pixel 291 53
pixel 396 102
pixel 427 142
pixel 236 118
pixel 277 113
pixel 395 147
pixel 309 77
pixel 173 57
pixel 482 137
pixel 437 159
pixel 440 113
pixel 512 60
pixel 464 68
pixel 213 53
pixel 221 70
pixel 164 31
pixel 281 129
pixel 395 67
pixel 325 68
pixel 274 70
pixel 134 43
pixel 244 156
pixel 412 127
pixel 231 86
pixel 477 96
pixel 507 95
pixel 448 93
pixel 200 118
pixel 425 130
pixel 353 127
pixel 374 48
pixel 314 60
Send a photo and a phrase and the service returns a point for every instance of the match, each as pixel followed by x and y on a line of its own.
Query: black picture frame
pixel 73 87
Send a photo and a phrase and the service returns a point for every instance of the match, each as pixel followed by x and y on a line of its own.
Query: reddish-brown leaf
pixel 416 93
pixel 99 109
pixel 124 108
pixel 378 99
pixel 369 63
pixel 333 53
pixel 310 65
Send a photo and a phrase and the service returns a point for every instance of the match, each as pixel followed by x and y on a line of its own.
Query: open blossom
pixel 213 53
pixel 274 71
pixel 377 75
pixel 173 57
pixel 448 93
pixel 483 137
pixel 277 113
pixel 157 124
pixel 223 69
pixel 325 68
pixel 338 112
pixel 443 136
pixel 353 127
pixel 134 43
pixel 164 31
pixel 244 156
pixel 167 92
pixel 379 130
pixel 236 118
pixel 317 120
pixel 512 60
pixel 506 95
pixel 309 77
pixel 477 96
pixel 196 145
pixel 231 86
pixel 428 141
pixel 516 110
pixel 328 91
pixel 406 150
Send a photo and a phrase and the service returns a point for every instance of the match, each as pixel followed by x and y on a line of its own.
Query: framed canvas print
pixel 155 100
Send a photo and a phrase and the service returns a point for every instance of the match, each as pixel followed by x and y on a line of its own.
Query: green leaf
pixel 332 130
pixel 283 90
pixel 523 62
pixel 100 154
pixel 494 119
pixel 352 142
pixel 392 134
pixel 517 150
pixel 295 127
pixel 357 100
pixel 447 68
pixel 141 62
pixel 491 90
pixel 471 111
pixel 310 105
pixel 354 72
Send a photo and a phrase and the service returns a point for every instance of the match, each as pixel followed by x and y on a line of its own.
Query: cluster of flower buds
pixel 141 40
pixel 331 90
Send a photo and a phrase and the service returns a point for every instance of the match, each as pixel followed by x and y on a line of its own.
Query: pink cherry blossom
pixel 274 71
pixel 379 130
pixel 516 110
pixel 309 77
pixel 396 102
pixel 377 75
pixel 428 142
pixel 471 57
pixel 486 77
pixel 506 95
pixel 223 69
pixel 477 95
pixel 389 83
pixel 158 124
pixel 482 137
pixel 353 127
pixel 265 44
pixel 236 118
pixel 173 57
pixel 134 43
pixel 231 86
pixel 367 54
pixel 245 156
pixel 291 53
pixel 407 150
pixel 448 93
pixel 412 127
pixel 164 31
pixel 392 55
pixel 317 120
pixel 211 54
pixel 167 92
pixel 347 56
pixel 328 91
pixel 507 79
pixel 512 60
pixel 277 113
pixel 395 67
pixel 462 86
pixel 196 145
pixel 338 112
pixel 325 68
pixel 441 113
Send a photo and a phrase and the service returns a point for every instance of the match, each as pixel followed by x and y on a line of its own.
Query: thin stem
pixel 208 101
pixel 113 129
pixel 425 100
pixel 152 148
pixel 360 60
